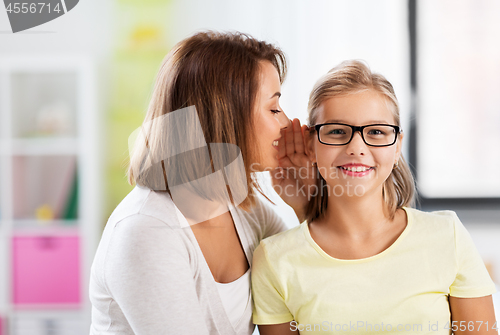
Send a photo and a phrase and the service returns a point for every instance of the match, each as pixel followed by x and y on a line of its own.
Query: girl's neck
pixel 354 216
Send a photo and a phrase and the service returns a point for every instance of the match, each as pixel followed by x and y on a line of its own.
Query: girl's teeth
pixel 275 143
pixel 356 169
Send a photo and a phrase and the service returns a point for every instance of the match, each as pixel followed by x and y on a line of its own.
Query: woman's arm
pixel 473 315
pixel 280 329
pixel 148 274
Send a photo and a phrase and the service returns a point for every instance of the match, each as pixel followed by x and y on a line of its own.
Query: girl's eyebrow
pixel 277 94
pixel 369 122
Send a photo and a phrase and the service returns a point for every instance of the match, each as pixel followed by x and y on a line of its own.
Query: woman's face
pixel 269 118
pixel 355 169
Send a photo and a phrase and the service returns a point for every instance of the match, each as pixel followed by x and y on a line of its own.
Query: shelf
pixel 52 228
pixel 45 103
pixel 45 322
pixel 49 175
pixel 42 146
pixel 46 187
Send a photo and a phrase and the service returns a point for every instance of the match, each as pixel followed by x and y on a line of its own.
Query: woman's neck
pixel 196 209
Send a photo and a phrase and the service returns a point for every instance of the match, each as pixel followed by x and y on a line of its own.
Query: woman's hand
pixel 295 176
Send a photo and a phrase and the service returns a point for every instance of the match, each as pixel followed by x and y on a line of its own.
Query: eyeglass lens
pixel 341 134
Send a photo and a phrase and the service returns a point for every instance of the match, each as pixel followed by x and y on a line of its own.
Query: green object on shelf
pixel 71 209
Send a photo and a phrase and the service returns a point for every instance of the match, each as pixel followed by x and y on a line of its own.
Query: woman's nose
pixel 283 120
pixel 357 146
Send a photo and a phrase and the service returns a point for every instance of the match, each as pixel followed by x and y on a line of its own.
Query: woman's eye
pixel 275 111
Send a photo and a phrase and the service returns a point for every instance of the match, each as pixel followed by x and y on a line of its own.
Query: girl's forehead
pixel 359 108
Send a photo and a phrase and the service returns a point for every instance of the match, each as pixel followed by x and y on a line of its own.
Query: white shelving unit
pixel 49 193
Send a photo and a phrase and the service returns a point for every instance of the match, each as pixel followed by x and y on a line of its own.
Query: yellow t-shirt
pixel 403 289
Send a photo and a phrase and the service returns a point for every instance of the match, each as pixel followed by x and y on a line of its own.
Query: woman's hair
pixel 219 74
pixel 350 77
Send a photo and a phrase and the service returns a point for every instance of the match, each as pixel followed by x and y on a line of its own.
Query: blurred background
pixel 72 90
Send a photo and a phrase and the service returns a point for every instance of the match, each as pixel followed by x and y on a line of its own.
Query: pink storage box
pixel 46 270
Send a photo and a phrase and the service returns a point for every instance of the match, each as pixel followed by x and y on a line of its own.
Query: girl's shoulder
pixel 285 242
pixel 442 224
pixel 441 217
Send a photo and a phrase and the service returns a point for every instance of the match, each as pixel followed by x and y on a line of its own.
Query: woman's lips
pixel 275 144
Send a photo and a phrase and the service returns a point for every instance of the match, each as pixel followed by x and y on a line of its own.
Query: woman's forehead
pixel 270 85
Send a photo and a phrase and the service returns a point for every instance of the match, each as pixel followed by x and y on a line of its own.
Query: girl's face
pixel 355 169
pixel 269 118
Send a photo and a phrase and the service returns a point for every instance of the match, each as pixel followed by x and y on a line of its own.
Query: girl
pixel 365 261
pixel 175 255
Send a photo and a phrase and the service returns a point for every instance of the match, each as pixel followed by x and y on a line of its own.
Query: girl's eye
pixel 336 132
pixel 275 111
pixel 376 132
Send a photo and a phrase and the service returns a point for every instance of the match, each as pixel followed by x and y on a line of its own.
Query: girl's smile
pixel 356 170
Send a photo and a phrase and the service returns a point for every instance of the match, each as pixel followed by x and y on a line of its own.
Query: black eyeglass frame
pixel 397 129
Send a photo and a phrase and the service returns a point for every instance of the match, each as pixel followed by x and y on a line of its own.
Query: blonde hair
pixel 349 77
pixel 218 74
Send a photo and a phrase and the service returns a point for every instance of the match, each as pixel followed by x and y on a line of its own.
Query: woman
pixel 366 262
pixel 175 255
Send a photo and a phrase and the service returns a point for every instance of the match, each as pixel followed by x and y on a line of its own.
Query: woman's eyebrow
pixel 277 94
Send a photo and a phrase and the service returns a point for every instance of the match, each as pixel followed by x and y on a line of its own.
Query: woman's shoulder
pixel 144 220
pixel 143 206
pixel 261 220
pixel 259 210
pixel 135 236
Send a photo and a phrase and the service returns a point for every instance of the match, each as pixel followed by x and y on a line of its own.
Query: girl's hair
pixel 219 74
pixel 350 77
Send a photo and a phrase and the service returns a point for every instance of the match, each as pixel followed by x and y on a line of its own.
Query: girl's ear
pixel 309 145
pixel 399 146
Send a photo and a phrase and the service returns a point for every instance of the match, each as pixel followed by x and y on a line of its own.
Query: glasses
pixel 375 135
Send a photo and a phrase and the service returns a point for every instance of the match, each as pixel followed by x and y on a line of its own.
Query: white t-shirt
pixel 235 296
pixel 149 275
